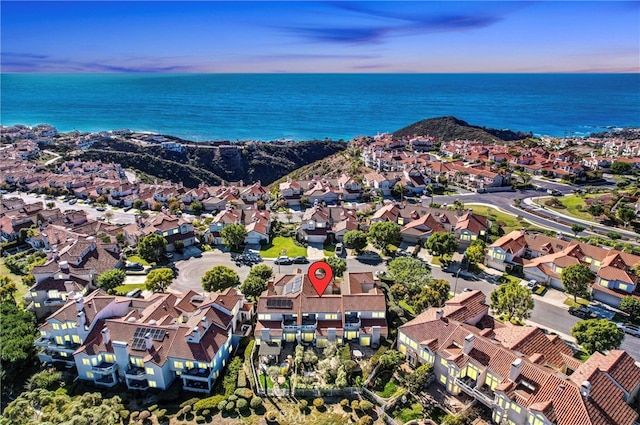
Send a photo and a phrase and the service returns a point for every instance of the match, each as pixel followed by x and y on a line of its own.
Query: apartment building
pixel 146 343
pixel 523 375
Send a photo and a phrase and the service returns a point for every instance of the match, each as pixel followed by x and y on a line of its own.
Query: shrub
pixel 209 402
pixel 318 403
pixel 242 379
pixel 302 405
pixel 242 404
pixel 153 408
pixel 206 412
pixel 366 405
pixel 161 414
pixel 134 416
pixel 48 379
pixel 229 406
pixel 232 397
pixel 124 414
pixel 271 415
pixel 244 393
pixel 187 409
pixel 344 403
pixel 355 405
pixel 190 402
pixel 144 415
pixel 200 419
pixel 366 420
pixel 231 377
pixel 255 403
pixel 222 405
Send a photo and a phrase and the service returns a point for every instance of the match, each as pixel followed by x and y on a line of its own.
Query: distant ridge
pixel 452 128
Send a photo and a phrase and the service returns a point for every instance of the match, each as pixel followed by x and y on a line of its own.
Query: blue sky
pixel 308 36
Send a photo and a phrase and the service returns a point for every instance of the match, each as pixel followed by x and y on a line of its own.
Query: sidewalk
pixel 554 297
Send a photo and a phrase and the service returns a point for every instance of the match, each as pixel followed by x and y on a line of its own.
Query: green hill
pixel 451 128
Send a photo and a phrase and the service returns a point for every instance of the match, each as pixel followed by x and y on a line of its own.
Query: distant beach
pixel 202 107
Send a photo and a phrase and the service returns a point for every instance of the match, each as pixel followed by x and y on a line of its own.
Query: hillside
pixel 451 128
pixel 249 162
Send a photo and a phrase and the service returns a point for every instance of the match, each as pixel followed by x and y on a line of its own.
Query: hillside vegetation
pixel 451 128
pixel 249 162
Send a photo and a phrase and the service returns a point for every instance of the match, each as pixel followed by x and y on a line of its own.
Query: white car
pixel 629 328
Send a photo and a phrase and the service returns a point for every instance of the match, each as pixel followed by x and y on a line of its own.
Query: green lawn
pixel 409 414
pixel 580 303
pixel 403 304
pixel 390 388
pixel 22 289
pixel 508 222
pixel 329 250
pixel 282 246
pixel 574 204
pixel 123 289
pixel 138 259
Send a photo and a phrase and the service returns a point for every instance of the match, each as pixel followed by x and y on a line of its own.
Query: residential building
pixel 353 310
pixel 523 375
pixel 146 343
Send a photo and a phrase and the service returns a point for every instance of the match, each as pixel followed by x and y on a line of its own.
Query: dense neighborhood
pixel 97 279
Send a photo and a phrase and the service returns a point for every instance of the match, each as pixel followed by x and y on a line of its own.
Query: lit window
pixel 76 339
pixel 86 362
pixel 203 365
pixel 110 358
pixel 443 379
pixel 90 375
pixel 59 340
pixel 149 371
pixel 153 384
pixel 516 408
pixel 178 365
pixel 37 305
pixel 63 326
pixel 56 326
pixel 189 365
pixel 624 287
pixel 34 294
pixel 604 282
pixel 443 362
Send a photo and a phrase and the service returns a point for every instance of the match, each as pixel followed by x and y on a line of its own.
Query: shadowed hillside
pixel 451 128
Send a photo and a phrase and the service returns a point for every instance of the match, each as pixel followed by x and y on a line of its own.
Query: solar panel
pixel 138 344
pixel 279 303
pixel 297 284
pixel 154 333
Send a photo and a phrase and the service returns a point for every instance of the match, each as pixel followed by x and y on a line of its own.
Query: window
pixel 59 340
pixel 43 333
pixel 402 337
pixel 624 287
pixel 90 375
pixel 137 361
pixel 178 365
pixel 443 379
pixel 189 365
pixel 516 408
pixel 443 361
pixel 149 371
pixel 86 362
pixel 498 255
pixel 109 358
pixel 597 263
pixel 465 237
pixel 63 326
pixel 378 315
pixel 37 305
pixel 492 381
pixel 588 260
pixel 264 317
pixel 153 384
pixel 203 365
pixel 230 349
pixel 94 361
pixel 56 327
pixel 413 345
pixel 604 282
pixel 76 339
pixel 34 294
pixel 333 316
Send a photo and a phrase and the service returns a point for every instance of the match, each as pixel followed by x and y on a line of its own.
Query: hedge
pixel 190 402
pixel 242 404
pixel 244 393
pixel 208 403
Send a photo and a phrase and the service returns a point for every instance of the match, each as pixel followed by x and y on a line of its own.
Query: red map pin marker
pixel 320 284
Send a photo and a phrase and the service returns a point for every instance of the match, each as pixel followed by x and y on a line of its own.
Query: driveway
pixel 315 252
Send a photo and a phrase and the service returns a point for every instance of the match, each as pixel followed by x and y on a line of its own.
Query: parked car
pixel 168 254
pixel 283 260
pixel 629 328
pixel 582 313
pixel 100 209
pixel 130 265
pixel 136 293
pixel 339 248
pixel 300 259
pixel 73 201
pixel 531 284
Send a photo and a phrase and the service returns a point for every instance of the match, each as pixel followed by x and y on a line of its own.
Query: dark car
pixel 582 313
pixel 300 259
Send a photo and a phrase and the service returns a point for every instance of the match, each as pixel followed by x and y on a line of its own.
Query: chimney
pixel 516 367
pixel 439 314
pixel 205 321
pixel 79 302
pixel 106 335
pixel 523 231
pixel 468 343
pixel 82 320
pixel 585 389
pixel 64 266
pixel 196 333
pixel 148 341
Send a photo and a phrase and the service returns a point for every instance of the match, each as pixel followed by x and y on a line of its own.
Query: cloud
pixel 32 62
pixel 307 56
pixel 369 35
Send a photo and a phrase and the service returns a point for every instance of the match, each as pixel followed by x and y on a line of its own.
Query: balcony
pixel 467 385
pixel 54 301
pixel 137 384
pixel 46 342
pixel 289 324
pixel 198 373
pixel 309 322
pixel 196 386
pixel 106 380
pixel 135 372
pixel 352 324
pixel 104 368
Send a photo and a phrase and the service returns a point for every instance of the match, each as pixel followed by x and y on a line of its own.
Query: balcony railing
pixel 106 380
pixel 198 373
pixel 352 325
pixel 53 301
pixel 198 386
pixel 103 368
pixel 138 384
pixel 468 387
pixel 135 372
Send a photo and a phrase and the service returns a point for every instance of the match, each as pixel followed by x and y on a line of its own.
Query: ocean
pixel 202 107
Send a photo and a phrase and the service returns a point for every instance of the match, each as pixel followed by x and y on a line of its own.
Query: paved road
pixel 119 216
pixel 553 317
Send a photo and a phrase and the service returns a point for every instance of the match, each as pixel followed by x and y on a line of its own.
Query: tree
pixel 597 335
pixel 50 205
pixel 220 278
pixel 420 378
pixel 596 209
pixel 435 293
pixel 575 279
pixel 158 280
pixel 475 252
pixel 524 176
pixel 355 239
pixel 151 247
pixel 512 300
pixel 576 228
pixel 390 360
pixel 627 215
pixel 196 207
pixel 338 265
pixel 8 288
pixel 233 235
pixel 631 306
pixel 17 351
pixel 383 233
pixel 253 286
pixel 620 168
pixel 110 279
pixel 408 271
pixel 138 204
pixel 108 214
pixel 262 271
pixel 399 190
pixel 441 244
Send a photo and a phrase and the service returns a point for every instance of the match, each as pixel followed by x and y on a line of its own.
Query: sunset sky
pixel 307 36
